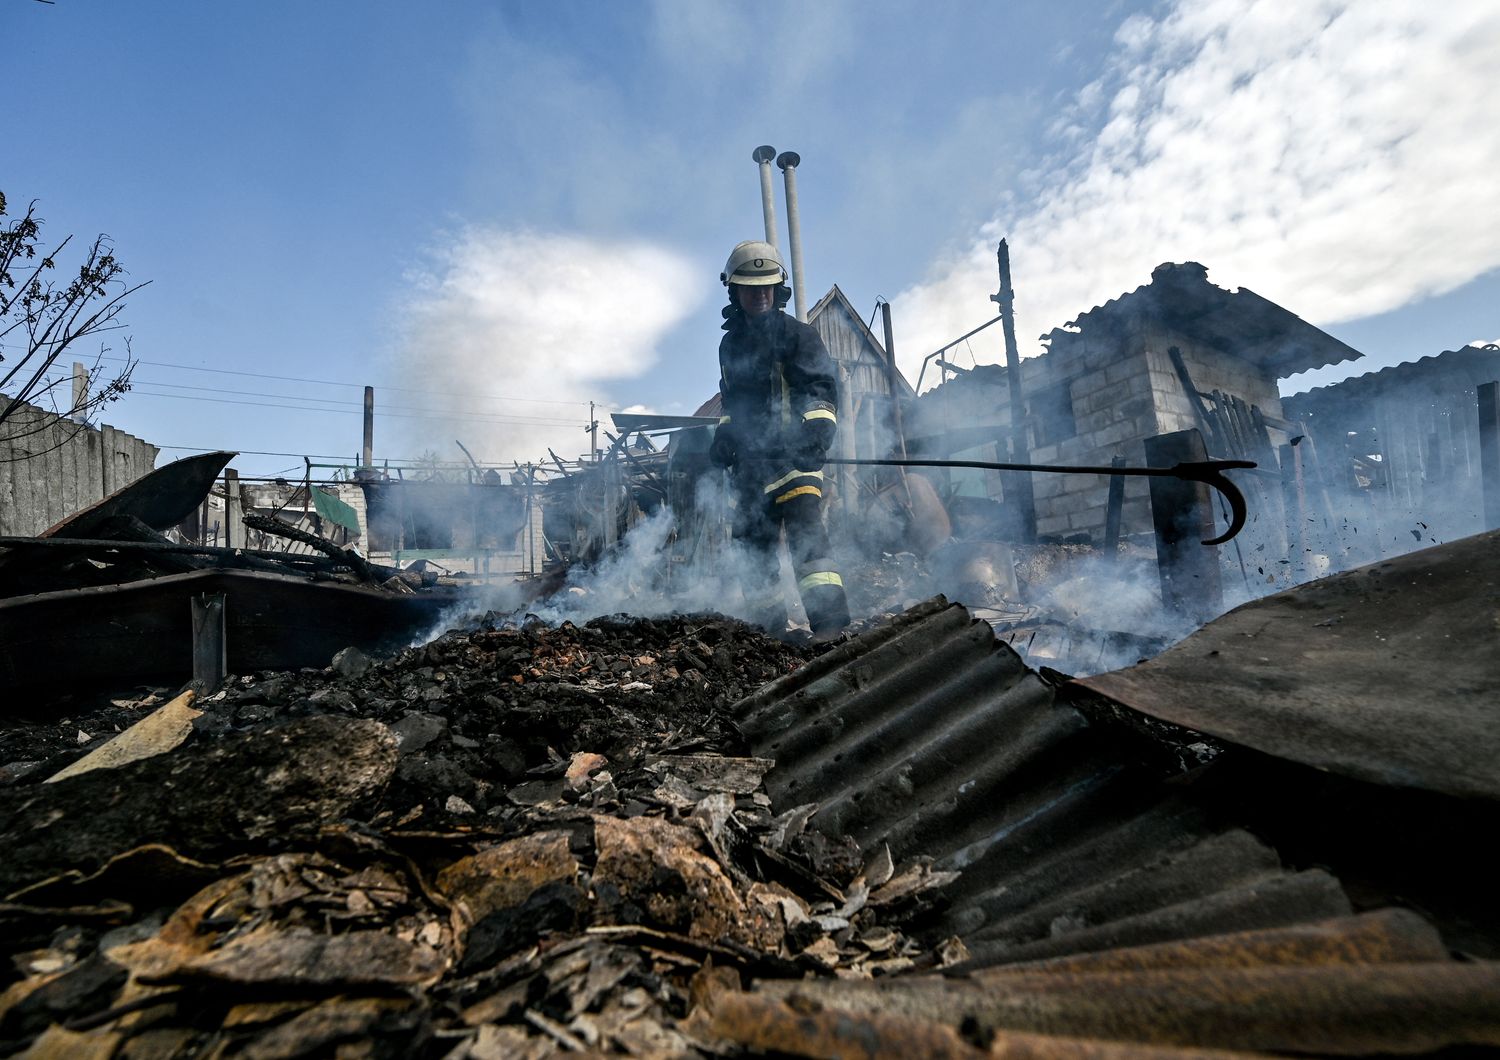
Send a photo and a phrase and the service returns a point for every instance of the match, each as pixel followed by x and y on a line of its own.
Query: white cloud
pixel 1337 157
pixel 520 330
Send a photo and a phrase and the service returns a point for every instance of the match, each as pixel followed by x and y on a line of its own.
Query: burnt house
pixel 1401 449
pixel 866 381
pixel 482 525
pixel 1177 353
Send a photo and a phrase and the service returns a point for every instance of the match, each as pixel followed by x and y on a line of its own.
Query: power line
pixel 325 405
pixel 253 452
pixel 321 456
pixel 381 409
pixel 332 382
pixel 472 417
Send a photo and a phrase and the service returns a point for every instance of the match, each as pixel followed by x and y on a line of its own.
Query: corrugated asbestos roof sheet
pixel 1355 986
pixel 1338 673
pixel 1240 322
pixel 1107 890
pixel 1437 376
pixel 932 736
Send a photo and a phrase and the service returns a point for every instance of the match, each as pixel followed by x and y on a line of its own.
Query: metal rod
pixel 764 155
pixel 788 161
pixel 1208 472
pixel 892 373
pixel 944 349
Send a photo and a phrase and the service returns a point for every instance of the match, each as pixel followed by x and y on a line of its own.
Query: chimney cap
pixel 764 153
pixel 788 159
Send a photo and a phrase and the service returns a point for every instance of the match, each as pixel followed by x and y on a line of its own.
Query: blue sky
pixel 497 212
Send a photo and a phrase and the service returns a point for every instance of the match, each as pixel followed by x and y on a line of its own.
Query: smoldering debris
pixel 510 841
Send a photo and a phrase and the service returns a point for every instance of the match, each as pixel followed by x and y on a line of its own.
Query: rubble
pixel 512 841
pixel 680 837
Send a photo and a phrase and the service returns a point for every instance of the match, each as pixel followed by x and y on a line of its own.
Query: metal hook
pixel 1211 472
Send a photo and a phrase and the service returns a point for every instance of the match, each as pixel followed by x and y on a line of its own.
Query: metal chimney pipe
pixel 788 161
pixel 763 155
pixel 367 451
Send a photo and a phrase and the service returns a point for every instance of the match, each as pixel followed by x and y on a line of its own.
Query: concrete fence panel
pixel 51 467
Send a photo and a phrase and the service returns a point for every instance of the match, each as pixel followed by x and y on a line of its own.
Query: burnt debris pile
pixel 682 837
pixel 111 577
pixel 504 843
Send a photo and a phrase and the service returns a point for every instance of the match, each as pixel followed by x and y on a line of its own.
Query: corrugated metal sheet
pixel 1113 890
pixel 1284 1005
pixel 930 735
pixel 1338 673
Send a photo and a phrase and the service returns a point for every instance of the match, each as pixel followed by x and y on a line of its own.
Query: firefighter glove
pixel 725 450
pixel 818 428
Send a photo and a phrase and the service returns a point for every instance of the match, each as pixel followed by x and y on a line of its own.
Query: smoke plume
pixel 518 331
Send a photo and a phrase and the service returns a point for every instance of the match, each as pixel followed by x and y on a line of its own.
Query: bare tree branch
pixel 49 318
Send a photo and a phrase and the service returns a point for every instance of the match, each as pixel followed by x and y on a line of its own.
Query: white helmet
pixel 753 263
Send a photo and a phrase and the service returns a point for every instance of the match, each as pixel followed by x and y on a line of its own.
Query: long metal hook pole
pixel 1209 472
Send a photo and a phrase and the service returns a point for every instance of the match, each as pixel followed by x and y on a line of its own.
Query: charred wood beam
pixel 347 557
pixel 655 482
pixel 1183 514
pixel 1114 509
pixel 1489 451
pixel 256 558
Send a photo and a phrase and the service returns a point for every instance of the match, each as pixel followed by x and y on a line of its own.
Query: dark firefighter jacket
pixel 774 374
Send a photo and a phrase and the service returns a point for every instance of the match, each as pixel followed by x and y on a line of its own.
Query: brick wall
pixel 1124 389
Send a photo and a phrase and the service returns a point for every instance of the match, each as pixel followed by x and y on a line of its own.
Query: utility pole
pixel 593 435
pixel 891 375
pixel 1017 485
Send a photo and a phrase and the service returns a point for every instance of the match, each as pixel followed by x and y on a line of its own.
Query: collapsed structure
pixel 681 838
pixel 961 831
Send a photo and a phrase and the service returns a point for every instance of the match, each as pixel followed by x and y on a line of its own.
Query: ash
pixel 514 840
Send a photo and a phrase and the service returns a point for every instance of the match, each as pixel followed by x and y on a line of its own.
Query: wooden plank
pixel 1183 517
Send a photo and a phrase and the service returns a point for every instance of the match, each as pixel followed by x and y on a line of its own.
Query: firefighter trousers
pixel 764 505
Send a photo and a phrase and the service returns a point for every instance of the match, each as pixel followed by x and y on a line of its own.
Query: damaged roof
pixel 1387 673
pixel 1239 322
pixel 1114 878
pixel 1437 376
pixel 932 737
pixel 836 299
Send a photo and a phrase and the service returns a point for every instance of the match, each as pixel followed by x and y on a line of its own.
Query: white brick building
pixel 1108 382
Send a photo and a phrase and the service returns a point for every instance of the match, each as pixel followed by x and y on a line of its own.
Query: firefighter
pixel 779 400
